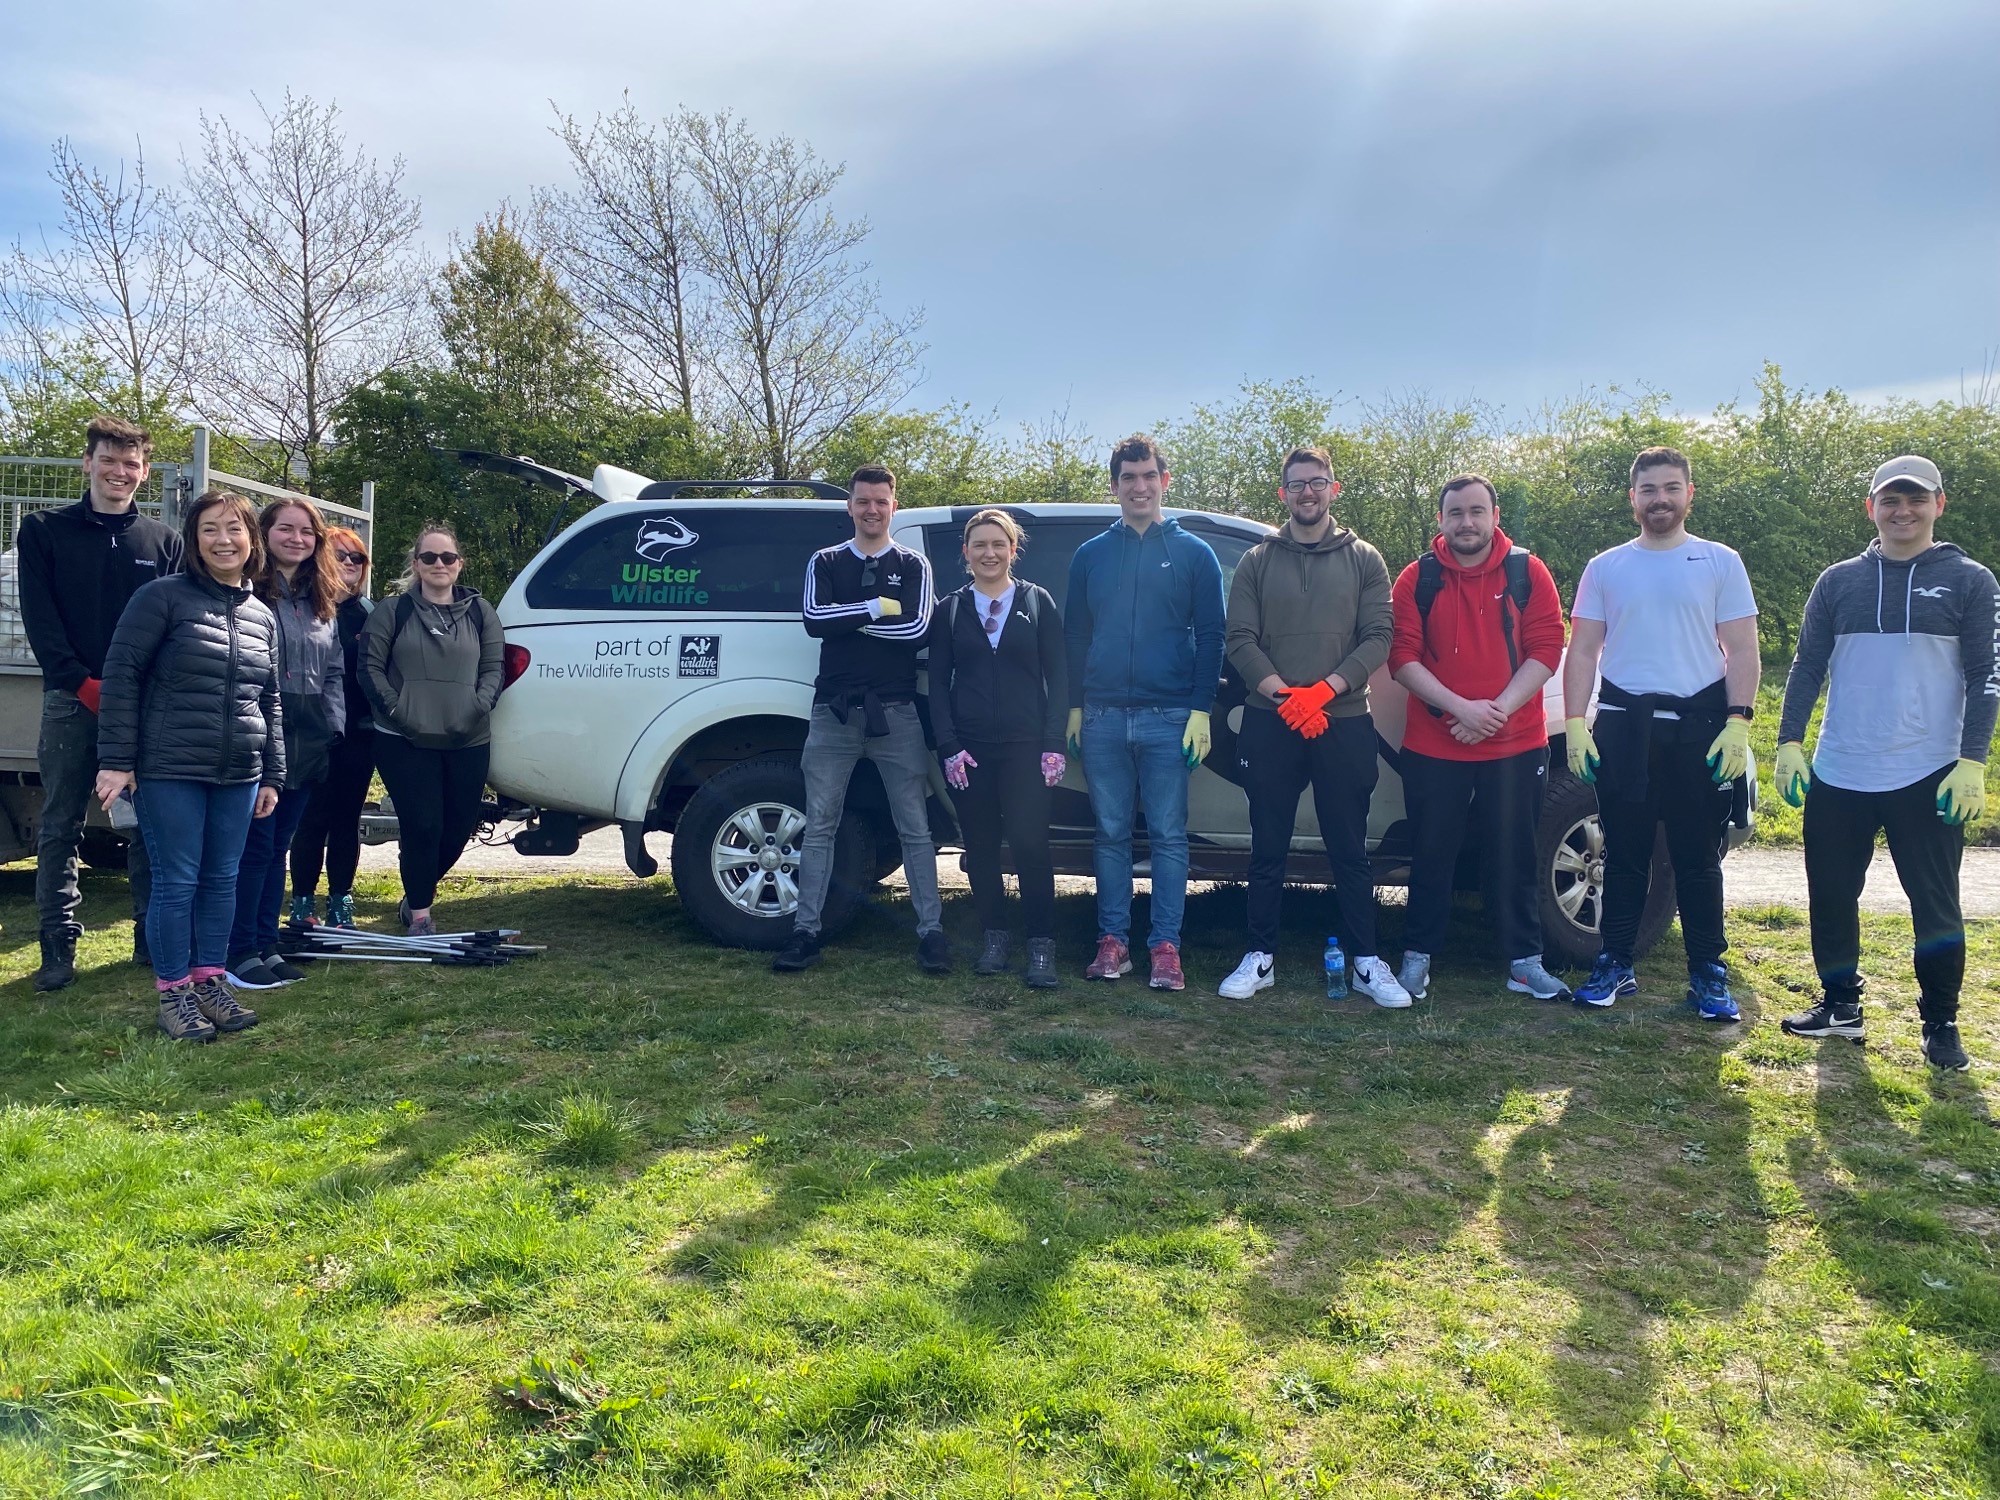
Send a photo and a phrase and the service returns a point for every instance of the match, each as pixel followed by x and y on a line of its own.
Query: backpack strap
pixel 1430 581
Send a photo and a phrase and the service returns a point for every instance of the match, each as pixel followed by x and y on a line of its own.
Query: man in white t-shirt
pixel 1673 620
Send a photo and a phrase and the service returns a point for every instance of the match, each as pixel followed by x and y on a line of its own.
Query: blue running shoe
pixel 1708 993
pixel 1608 980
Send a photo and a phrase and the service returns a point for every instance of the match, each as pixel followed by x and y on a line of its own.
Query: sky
pixel 1122 209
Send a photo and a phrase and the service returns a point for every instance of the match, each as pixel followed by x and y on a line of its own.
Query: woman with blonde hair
pixel 329 835
pixel 998 695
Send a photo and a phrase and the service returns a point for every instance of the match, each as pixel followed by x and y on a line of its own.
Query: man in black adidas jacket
pixel 79 566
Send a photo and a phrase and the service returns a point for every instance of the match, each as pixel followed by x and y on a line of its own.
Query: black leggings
pixel 1840 841
pixel 437 794
pixel 1005 799
pixel 331 828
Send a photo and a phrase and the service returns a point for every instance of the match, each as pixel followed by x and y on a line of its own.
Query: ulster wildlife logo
pixel 659 535
pixel 701 655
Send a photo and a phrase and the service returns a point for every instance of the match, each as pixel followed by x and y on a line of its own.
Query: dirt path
pixel 1755 877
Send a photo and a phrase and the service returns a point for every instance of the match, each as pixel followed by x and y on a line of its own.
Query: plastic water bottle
pixel 1336 970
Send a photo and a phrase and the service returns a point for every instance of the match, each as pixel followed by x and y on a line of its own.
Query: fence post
pixel 368 505
pixel 198 460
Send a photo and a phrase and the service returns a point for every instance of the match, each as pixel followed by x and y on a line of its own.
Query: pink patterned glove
pixel 1053 766
pixel 956 767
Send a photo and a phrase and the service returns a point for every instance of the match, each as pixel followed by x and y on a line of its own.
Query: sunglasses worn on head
pixel 433 559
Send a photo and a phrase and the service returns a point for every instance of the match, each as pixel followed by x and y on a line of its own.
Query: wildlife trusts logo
pixel 701 656
pixel 659 535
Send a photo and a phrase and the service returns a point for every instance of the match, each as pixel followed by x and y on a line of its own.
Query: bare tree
pixel 620 240
pixel 308 243
pixel 113 283
pixel 802 344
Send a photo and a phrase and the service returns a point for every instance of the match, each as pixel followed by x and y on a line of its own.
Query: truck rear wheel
pixel 1569 863
pixel 736 853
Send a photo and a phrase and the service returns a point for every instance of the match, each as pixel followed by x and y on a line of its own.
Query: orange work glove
pixel 1304 708
pixel 90 693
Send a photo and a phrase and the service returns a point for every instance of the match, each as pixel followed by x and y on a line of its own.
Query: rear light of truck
pixel 513 665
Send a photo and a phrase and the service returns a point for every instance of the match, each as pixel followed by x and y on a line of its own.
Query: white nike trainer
pixel 1258 971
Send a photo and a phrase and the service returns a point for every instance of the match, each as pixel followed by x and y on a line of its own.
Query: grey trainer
pixel 1528 976
pixel 1415 975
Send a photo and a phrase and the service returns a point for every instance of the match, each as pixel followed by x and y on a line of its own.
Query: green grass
pixel 1780 826
pixel 640 1218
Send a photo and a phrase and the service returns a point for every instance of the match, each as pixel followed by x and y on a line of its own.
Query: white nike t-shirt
pixel 1660 611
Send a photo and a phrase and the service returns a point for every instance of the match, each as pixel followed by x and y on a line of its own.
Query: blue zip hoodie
pixel 1143 620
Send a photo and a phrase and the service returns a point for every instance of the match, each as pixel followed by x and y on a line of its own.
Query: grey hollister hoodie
pixel 432 671
pixel 1914 651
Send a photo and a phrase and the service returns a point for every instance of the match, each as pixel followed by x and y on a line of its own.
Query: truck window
pixel 689 561
pixel 1045 554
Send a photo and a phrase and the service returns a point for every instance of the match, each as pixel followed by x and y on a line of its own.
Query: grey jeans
pixel 832 751
pixel 67 759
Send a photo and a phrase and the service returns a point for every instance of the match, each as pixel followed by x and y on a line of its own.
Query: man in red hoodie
pixel 1479 630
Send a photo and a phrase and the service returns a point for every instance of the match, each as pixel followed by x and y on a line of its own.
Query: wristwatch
pixel 1744 711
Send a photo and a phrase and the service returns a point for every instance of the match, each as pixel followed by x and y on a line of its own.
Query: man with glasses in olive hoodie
pixel 1309 621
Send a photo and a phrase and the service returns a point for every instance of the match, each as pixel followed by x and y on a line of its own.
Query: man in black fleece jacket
pixel 79 567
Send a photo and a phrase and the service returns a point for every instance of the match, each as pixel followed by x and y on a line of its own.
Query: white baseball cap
pixel 1914 470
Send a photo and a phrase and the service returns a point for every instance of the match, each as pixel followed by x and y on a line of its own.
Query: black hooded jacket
pixel 191 686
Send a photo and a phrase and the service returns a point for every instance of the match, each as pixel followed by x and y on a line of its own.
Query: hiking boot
pixel 1942 1048
pixel 993 958
pixel 287 972
pixel 1165 960
pixel 58 962
pixel 142 951
pixel 1415 975
pixel 1041 973
pixel 1831 1017
pixel 247 972
pixel 340 911
pixel 424 926
pixel 1113 958
pixel 180 1018
pixel 802 952
pixel 1708 993
pixel 1528 976
pixel 219 1007
pixel 1258 971
pixel 1608 980
pixel 300 913
pixel 933 953
pixel 1377 981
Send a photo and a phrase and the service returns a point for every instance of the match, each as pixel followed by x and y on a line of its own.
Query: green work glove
pixel 1962 793
pixel 1073 733
pixel 1194 742
pixel 1792 773
pixel 1582 750
pixel 1729 751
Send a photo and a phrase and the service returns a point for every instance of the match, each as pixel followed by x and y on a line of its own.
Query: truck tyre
pixel 1569 864
pixel 736 856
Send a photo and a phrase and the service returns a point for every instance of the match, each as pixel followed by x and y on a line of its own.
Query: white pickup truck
pixel 659 679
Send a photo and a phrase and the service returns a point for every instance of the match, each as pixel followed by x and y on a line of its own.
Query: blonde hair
pixel 1000 518
pixel 407 584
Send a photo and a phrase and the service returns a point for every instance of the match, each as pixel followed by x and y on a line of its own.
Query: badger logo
pixel 659 535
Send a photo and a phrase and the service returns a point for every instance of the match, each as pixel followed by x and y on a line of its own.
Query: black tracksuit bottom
pixel 1504 800
pixel 437 795
pixel 1840 841
pixel 1340 766
pixel 1682 798
pixel 1005 799
pixel 330 831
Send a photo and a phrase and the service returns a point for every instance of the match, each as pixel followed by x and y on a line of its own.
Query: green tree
pixel 511 333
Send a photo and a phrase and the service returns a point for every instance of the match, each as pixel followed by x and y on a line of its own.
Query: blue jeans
pixel 260 882
pixel 1134 755
pixel 198 829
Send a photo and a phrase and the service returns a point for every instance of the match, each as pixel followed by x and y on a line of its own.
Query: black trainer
pixel 1828 1018
pixel 1041 973
pixel 934 953
pixel 58 962
pixel 802 952
pixel 993 958
pixel 287 973
pixel 1942 1048
pixel 247 972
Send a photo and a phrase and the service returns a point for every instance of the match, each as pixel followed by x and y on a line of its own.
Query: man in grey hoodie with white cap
pixel 1909 634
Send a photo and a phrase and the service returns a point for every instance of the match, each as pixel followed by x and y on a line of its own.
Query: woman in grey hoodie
pixel 430 665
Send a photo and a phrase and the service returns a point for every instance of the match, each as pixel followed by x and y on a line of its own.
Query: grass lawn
pixel 640 1218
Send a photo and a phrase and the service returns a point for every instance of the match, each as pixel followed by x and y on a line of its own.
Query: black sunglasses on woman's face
pixel 353 559
pixel 433 559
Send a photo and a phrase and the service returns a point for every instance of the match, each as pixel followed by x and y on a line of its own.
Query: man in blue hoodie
pixel 1909 634
pixel 1143 624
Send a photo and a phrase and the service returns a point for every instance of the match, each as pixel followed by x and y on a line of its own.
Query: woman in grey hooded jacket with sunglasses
pixel 431 667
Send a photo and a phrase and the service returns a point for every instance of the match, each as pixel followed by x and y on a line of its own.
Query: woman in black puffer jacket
pixel 191 716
